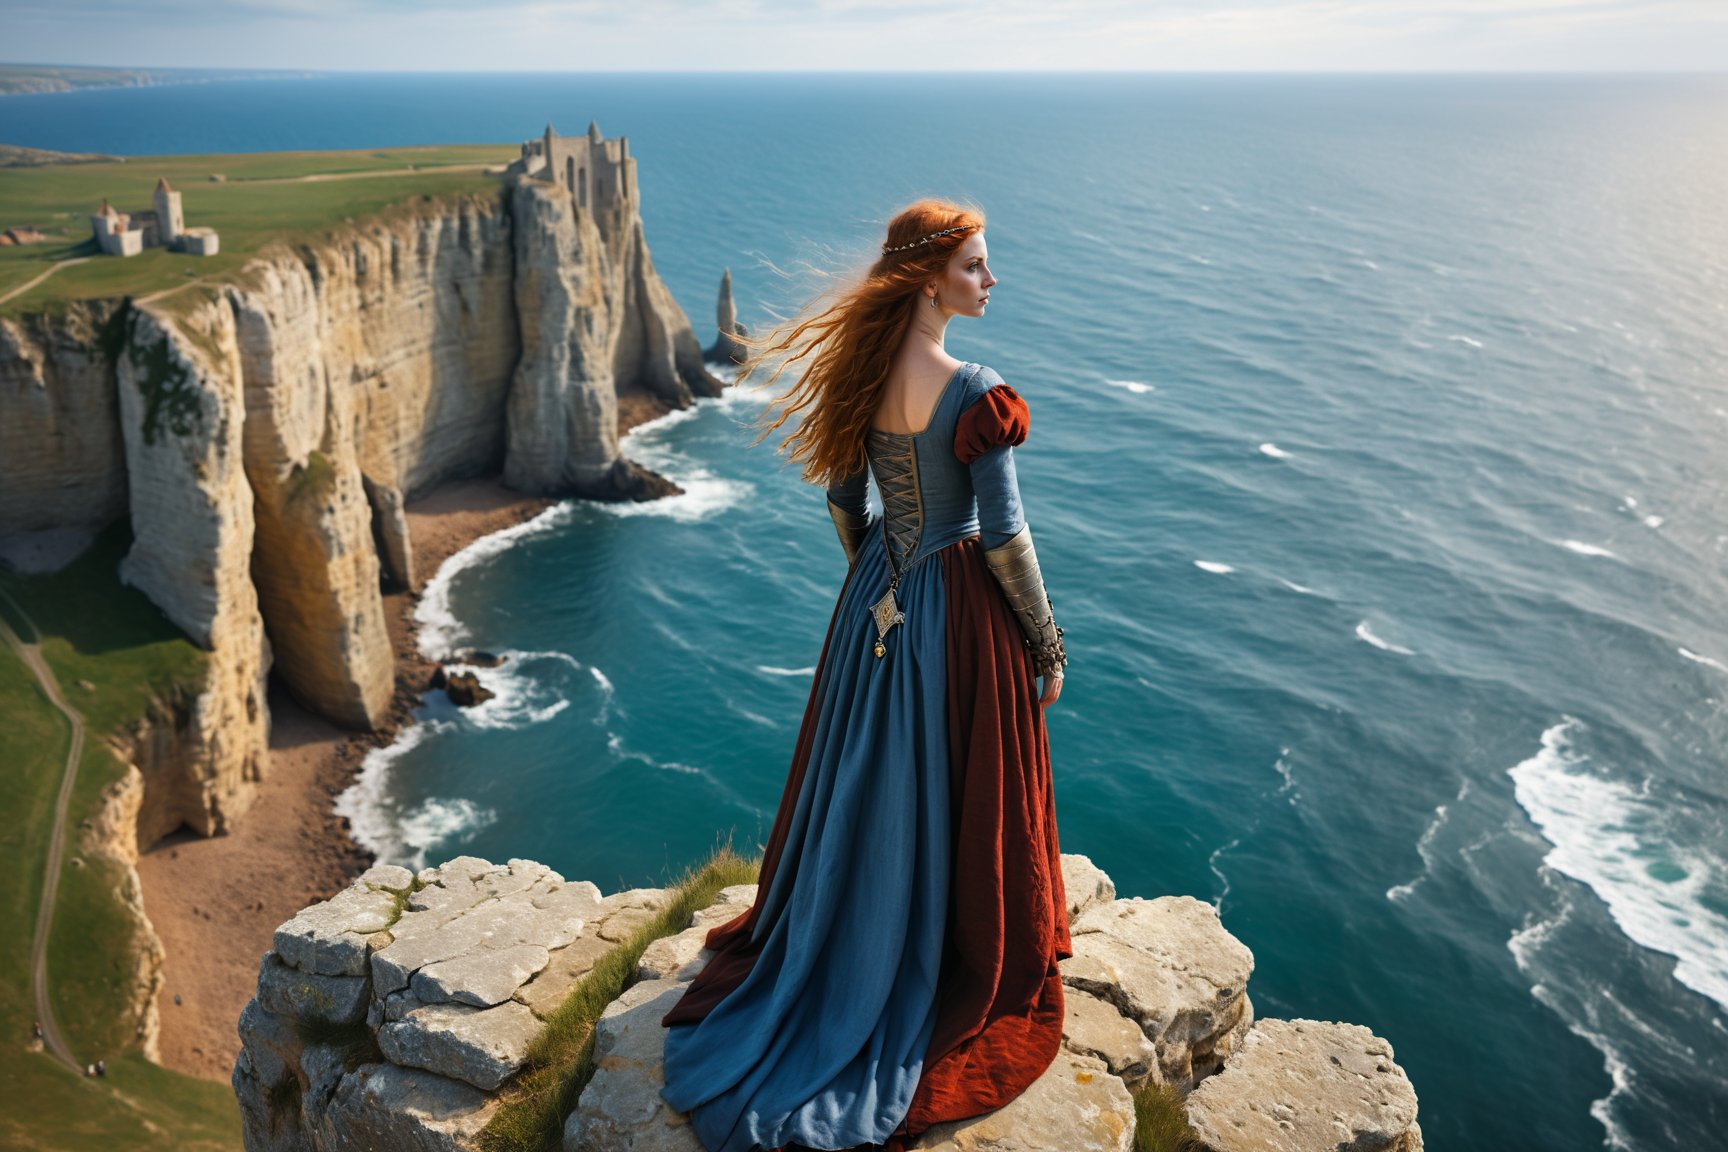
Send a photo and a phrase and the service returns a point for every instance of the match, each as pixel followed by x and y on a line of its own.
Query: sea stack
pixel 725 349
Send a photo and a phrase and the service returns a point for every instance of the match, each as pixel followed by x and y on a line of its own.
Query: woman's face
pixel 964 285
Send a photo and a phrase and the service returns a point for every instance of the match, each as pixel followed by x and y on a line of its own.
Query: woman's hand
pixel 1052 689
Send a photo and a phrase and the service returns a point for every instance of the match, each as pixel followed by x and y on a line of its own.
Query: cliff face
pixel 596 322
pixel 266 434
pixel 182 414
pixel 61 461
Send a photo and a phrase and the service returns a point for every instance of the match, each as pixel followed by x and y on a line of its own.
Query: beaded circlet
pixel 927 239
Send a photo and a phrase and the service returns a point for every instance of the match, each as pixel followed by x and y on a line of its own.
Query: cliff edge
pixel 402 1013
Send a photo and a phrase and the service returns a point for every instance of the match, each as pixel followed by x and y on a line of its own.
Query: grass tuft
pixel 1161 1121
pixel 561 1060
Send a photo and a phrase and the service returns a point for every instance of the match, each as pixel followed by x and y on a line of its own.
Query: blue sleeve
pixel 849 493
pixel 1000 514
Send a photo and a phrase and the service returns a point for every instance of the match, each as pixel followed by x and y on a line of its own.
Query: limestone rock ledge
pixel 396 1014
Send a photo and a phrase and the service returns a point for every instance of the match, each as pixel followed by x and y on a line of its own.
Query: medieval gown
pixel 899 965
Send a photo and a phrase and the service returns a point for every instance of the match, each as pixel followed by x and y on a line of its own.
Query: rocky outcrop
pixel 597 322
pixel 109 839
pixel 726 347
pixel 62 464
pixel 1299 1084
pixel 444 979
pixel 182 413
pixel 316 568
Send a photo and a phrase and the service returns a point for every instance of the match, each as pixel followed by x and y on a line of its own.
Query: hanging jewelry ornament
pixel 887 614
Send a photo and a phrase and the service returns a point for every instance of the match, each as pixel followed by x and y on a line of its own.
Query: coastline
pixel 216 902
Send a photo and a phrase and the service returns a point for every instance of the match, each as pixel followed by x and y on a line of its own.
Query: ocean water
pixel 1377 473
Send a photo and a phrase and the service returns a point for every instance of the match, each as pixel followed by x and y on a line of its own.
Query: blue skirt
pixel 823 1043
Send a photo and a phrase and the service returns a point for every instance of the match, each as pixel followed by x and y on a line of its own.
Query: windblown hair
pixel 851 341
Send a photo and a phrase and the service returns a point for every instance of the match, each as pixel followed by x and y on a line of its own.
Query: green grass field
pixel 92 628
pixel 263 197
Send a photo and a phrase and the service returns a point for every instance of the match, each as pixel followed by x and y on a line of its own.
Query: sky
pixel 874 35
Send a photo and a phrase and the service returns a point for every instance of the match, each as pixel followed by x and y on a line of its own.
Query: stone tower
pixel 170 223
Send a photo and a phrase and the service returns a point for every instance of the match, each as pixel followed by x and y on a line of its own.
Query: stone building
pixel 599 173
pixel 161 226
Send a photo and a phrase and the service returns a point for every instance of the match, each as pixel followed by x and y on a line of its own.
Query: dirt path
pixel 323 177
pixel 31 654
pixel 52 268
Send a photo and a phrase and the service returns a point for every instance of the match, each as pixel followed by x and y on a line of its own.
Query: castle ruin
pixel 162 226
pixel 599 174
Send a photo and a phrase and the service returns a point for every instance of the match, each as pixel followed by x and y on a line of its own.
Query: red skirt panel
pixel 1000 1010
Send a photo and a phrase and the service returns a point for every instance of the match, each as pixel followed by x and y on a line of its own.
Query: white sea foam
pixel 1213 566
pixel 1273 450
pixel 1526 945
pixel 1611 836
pixel 1584 549
pixel 1212 863
pixel 1295 587
pixel 527 688
pixel 1705 660
pixel 1288 775
pixel 1653 521
pixel 1470 340
pixel 441 634
pixel 1425 846
pixel 1134 386
pixel 519 696
pixel 1371 264
pixel 438 822
pixel 1363 632
pixel 771 670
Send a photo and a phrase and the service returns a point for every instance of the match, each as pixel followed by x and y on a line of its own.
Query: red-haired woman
pixel 899 965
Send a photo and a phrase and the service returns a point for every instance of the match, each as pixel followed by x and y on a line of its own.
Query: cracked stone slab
pixel 1307 1086
pixel 290 992
pixel 1085 883
pixel 482 978
pixel 1076 1105
pixel 563 971
pixel 621 913
pixel 482 1046
pixel 336 936
pixel 1169 965
pixel 1093 1027
pixel 620 1109
pixel 380 1106
pixel 468 923
pixel 683 954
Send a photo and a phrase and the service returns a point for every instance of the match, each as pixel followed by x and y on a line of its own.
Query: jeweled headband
pixel 926 239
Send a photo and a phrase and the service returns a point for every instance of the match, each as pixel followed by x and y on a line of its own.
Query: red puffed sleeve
pixel 999 416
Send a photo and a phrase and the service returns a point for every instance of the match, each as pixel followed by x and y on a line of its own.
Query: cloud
pixel 874 34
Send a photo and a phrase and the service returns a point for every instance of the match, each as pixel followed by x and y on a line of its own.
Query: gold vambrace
pixel 1015 566
pixel 851 529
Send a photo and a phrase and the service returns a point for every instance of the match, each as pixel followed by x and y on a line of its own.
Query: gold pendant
pixel 887 614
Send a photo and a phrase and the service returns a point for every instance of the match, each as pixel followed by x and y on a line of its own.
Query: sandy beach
pixel 217 902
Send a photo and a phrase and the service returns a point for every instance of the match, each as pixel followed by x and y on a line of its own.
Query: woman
pixel 899 965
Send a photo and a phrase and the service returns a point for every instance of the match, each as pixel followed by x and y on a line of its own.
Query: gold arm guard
pixel 851 529
pixel 1015 566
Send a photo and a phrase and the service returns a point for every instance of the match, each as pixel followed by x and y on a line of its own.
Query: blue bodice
pixel 930 499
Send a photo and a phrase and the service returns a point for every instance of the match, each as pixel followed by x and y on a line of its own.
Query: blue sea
pixel 1378 473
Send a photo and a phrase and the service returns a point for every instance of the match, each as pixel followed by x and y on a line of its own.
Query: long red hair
pixel 851 341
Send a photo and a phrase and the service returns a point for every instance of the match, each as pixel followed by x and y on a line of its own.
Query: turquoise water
pixel 1377 475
